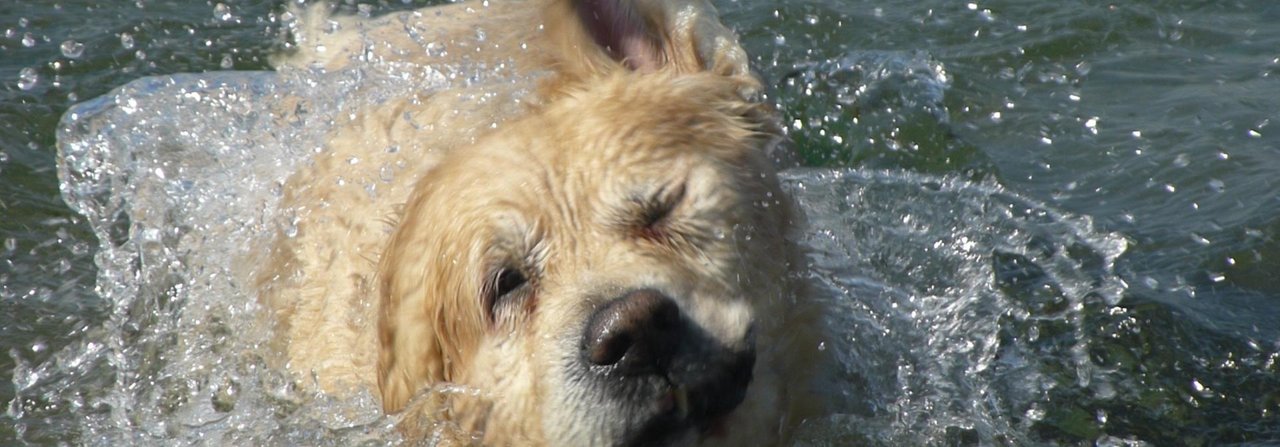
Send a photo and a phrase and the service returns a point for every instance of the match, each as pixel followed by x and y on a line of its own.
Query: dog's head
pixel 603 271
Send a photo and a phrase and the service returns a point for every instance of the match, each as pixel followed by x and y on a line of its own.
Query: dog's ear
pixel 427 325
pixel 685 36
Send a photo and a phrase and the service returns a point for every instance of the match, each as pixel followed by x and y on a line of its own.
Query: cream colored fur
pixel 376 275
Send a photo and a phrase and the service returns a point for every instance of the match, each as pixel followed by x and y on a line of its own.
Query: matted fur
pixel 378 284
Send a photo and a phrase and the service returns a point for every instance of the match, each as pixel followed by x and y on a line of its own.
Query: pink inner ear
pixel 621 31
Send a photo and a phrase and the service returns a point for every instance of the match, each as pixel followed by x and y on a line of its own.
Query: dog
pixel 590 251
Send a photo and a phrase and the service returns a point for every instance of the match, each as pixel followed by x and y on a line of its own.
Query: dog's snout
pixel 650 354
pixel 636 332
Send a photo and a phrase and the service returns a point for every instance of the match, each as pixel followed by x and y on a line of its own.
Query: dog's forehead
pixel 518 187
pixel 594 151
pixel 590 151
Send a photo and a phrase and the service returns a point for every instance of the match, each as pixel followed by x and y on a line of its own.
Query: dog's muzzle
pixel 652 359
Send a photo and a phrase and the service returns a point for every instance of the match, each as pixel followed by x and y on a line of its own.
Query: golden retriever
pixel 589 250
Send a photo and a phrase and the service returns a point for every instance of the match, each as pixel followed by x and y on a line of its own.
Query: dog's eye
pixel 656 211
pixel 504 286
pixel 508 281
pixel 654 214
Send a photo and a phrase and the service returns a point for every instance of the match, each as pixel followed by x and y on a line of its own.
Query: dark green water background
pixel 1159 120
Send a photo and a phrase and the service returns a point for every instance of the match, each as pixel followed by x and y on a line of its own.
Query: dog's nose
pixel 636 333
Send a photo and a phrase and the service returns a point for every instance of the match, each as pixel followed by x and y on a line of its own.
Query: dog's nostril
pixel 636 332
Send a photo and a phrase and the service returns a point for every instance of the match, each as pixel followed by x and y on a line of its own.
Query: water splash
pixel 956 307
pixel 179 177
pixel 170 171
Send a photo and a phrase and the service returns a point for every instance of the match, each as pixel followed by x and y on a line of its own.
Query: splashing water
pixel 955 307
pixel 179 178
pixel 178 175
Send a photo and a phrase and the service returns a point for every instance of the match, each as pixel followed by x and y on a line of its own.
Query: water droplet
pixel 126 41
pixel 1216 185
pixel 72 49
pixel 150 235
pixel 28 40
pixel 1200 388
pixel 1151 283
pixel 1200 239
pixel 227 63
pixel 129 106
pixel 222 12
pixel 1035 413
pixel 28 78
pixel 1181 161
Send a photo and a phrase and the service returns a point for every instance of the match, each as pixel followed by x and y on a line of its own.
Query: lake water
pixel 1034 223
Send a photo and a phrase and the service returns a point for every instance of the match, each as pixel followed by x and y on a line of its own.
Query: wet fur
pixel 378 289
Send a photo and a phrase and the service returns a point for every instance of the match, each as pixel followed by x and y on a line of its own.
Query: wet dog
pixel 591 252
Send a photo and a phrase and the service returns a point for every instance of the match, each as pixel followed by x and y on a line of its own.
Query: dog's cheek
pixel 503 372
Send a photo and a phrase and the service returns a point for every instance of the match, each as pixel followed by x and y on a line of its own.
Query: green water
pixel 1157 120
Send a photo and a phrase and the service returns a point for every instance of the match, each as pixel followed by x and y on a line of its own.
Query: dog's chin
pixel 680 417
pixel 672 429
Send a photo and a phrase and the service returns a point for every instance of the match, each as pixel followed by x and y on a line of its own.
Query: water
pixel 1033 223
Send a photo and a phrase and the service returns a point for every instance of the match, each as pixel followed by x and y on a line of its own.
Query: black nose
pixel 636 333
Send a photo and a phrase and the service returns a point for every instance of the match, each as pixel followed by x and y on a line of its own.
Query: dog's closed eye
pixel 655 212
